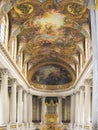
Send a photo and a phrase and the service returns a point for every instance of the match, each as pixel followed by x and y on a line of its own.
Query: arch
pixel 4 27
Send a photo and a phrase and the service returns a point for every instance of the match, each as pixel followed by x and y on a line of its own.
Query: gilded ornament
pixel 24 9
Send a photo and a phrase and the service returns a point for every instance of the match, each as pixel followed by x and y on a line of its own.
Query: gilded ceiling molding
pixel 13 3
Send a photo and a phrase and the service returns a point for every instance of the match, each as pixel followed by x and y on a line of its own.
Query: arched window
pixel 3 30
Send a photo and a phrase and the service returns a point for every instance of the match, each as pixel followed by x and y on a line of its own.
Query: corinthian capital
pixel 4 71
pixel 89 82
pixel 12 81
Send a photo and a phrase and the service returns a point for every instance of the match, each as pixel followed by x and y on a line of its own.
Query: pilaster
pixel 20 113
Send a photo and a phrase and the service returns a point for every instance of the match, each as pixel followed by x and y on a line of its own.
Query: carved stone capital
pixel 12 81
pixel 19 87
pixel 82 88
pixel 77 92
pixel 4 71
pixel 89 82
pixel 25 92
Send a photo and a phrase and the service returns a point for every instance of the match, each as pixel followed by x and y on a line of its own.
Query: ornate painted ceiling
pixel 51 35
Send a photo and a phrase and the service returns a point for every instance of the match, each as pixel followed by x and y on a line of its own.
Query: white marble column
pixel 25 107
pixel 72 109
pixel 4 97
pixel 81 120
pixel 77 110
pixel 13 101
pixel 87 102
pixel 30 108
pixel 78 107
pixel 20 112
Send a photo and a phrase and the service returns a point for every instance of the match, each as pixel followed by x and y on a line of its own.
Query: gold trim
pixel 19 8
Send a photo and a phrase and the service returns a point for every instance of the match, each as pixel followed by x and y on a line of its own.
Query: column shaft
pixel 13 101
pixel 87 104
pixel 4 97
pixel 82 106
pixel 77 110
pixel 30 108
pixel 43 110
pixel 20 104
pixel 25 108
pixel 60 110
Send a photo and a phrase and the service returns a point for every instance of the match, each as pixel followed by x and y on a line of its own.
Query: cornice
pixel 87 70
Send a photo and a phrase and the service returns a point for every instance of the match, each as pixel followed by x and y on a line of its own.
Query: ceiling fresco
pixel 51 35
pixel 51 75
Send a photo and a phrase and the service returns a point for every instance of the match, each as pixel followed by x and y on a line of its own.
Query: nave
pixel 48 65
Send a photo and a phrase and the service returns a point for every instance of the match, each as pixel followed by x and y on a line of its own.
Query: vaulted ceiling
pixel 51 35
